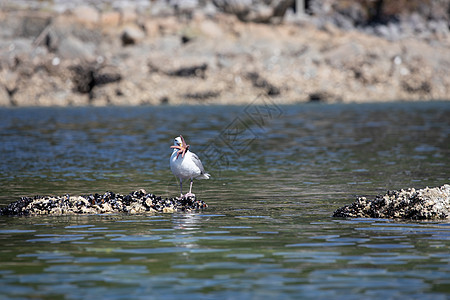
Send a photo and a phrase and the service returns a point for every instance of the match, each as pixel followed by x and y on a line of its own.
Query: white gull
pixel 186 164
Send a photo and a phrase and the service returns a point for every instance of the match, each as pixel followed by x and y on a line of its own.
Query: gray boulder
pixel 73 48
pixel 132 35
pixel 255 11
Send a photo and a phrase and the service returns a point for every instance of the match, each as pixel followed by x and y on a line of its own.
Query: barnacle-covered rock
pixel 137 202
pixel 422 204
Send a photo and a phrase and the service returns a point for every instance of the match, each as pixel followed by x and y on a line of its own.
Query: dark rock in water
pixel 423 204
pixel 133 203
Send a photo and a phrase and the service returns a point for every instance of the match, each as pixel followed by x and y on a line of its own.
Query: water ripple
pixel 267 233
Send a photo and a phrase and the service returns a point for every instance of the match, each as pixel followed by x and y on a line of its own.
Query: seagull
pixel 185 164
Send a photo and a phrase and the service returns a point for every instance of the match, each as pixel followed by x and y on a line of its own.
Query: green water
pixel 278 172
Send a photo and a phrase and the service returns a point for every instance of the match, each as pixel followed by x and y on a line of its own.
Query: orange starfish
pixel 182 148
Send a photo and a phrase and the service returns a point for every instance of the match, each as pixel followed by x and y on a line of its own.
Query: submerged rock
pixel 422 204
pixel 133 203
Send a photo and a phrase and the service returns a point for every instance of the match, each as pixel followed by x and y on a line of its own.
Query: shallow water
pixel 278 172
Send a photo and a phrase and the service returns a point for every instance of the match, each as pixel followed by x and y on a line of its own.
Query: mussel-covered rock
pixel 133 203
pixel 422 204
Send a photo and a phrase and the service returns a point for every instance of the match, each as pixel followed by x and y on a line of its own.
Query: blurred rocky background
pixel 116 52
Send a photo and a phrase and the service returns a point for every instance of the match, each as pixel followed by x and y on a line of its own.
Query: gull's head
pixel 178 141
pixel 180 144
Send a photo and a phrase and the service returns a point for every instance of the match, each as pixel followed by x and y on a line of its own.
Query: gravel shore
pixel 72 55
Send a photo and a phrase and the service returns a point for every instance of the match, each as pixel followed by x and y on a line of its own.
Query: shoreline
pixel 266 102
pixel 86 57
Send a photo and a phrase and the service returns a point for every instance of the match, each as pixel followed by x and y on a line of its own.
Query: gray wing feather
pixel 197 162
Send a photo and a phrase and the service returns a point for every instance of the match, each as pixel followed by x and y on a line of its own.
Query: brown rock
pixel 4 97
pixel 128 15
pixel 210 29
pixel 86 14
pixel 169 25
pixel 260 82
pixel 9 79
pixel 110 18
pixel 77 99
pixel 131 35
pixel 41 90
pixel 151 28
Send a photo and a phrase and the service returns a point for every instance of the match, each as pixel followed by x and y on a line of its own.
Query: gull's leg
pixel 190 190
pixel 181 188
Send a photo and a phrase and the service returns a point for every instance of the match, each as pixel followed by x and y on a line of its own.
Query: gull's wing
pixel 197 162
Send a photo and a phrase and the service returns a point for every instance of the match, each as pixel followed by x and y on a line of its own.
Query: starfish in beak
pixel 182 148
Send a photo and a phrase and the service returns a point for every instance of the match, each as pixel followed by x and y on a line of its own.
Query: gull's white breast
pixel 185 167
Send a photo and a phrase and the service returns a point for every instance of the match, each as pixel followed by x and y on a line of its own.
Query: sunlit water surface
pixel 278 172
